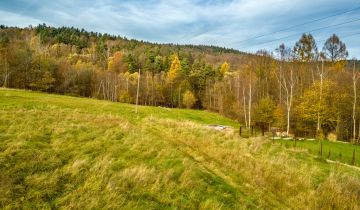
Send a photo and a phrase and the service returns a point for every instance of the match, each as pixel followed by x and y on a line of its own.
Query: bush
pixel 125 97
pixel 189 99
pixel 320 134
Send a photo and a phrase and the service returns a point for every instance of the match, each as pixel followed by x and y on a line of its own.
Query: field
pixel 78 153
pixel 336 151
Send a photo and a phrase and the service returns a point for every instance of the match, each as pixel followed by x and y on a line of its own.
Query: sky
pixel 246 25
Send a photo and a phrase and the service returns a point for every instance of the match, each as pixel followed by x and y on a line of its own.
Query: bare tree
pixel 244 107
pixel 137 93
pixel 288 82
pixel 321 75
pixel 335 49
pixel 250 98
pixel 355 78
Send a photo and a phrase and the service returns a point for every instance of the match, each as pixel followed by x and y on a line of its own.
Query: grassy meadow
pixel 336 151
pixel 61 152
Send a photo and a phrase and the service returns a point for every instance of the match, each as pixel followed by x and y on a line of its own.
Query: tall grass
pixel 87 154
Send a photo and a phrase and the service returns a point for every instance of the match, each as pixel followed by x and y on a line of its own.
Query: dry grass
pixel 65 155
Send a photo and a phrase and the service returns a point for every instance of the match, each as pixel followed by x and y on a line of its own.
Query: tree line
pixel 302 90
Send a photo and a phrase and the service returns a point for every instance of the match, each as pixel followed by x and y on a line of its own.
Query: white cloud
pixel 184 21
pixel 13 19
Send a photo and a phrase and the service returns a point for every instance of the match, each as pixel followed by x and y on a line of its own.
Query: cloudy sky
pixel 247 25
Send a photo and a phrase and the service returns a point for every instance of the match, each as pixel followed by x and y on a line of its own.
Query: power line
pixel 317 29
pixel 323 40
pixel 348 35
pixel 295 26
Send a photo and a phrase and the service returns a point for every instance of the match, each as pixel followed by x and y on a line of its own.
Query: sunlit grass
pixel 77 153
pixel 337 151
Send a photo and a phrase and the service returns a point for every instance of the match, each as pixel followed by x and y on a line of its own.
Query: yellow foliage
pixel 279 116
pixel 189 99
pixel 340 65
pixel 133 78
pixel 224 68
pixel 174 68
pixel 78 64
pixel 126 75
pixel 114 62
pixel 111 64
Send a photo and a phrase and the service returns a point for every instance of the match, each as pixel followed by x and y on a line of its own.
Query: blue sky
pixel 223 22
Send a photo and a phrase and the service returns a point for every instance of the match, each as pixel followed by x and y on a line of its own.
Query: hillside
pixel 264 90
pixel 72 61
pixel 79 153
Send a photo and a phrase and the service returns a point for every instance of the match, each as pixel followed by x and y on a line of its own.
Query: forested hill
pixel 54 51
pixel 83 39
pixel 295 92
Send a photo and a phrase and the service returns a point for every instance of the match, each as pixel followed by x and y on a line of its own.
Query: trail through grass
pixel 78 153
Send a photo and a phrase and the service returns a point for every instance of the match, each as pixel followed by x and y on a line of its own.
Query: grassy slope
pixel 336 151
pixel 65 152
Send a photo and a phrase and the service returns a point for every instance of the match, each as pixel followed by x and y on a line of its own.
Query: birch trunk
pixel 137 93
pixel 320 95
pixel 245 112
pixel 355 78
pixel 354 111
pixel 288 110
pixel 250 98
pixel 288 85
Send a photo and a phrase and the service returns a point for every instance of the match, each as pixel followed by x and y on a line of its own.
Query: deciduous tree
pixel 334 49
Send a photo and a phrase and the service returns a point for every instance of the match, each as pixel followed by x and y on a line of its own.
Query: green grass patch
pixel 337 151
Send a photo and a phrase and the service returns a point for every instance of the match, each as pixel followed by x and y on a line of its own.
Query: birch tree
pixel 137 92
pixel 321 76
pixel 355 78
pixel 288 82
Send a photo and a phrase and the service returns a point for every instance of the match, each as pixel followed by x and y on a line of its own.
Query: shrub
pixel 189 99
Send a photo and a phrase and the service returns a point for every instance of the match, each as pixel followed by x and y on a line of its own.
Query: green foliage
pixel 72 36
pixel 131 62
pixel 264 111
pixel 305 49
pixel 158 64
pixel 185 67
pixel 199 74
pixel 150 61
